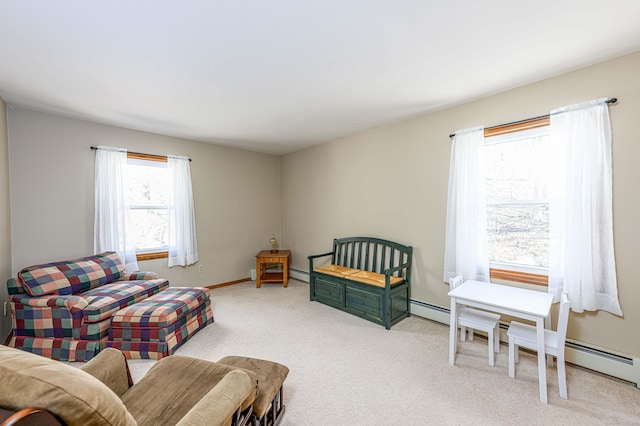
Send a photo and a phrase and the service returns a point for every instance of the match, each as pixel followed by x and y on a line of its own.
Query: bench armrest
pixel 315 256
pixel 320 255
pixel 397 268
pixel 111 368
pixel 220 404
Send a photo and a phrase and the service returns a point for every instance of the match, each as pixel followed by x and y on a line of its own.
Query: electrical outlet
pixel 200 268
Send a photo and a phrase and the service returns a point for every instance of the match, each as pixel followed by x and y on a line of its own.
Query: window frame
pixel 501 271
pixel 158 254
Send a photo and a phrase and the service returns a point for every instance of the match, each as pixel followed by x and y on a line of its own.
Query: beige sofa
pixel 177 390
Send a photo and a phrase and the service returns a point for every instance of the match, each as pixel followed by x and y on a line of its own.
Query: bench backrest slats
pixel 366 256
pixel 353 254
pixel 372 254
pixel 375 258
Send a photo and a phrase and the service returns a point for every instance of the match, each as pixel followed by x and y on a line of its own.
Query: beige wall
pixel 391 182
pixel 236 195
pixel 5 223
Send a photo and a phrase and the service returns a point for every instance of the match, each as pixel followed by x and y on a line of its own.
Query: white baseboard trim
pixel 578 353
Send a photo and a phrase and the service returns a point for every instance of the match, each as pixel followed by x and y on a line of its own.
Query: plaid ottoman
pixel 155 327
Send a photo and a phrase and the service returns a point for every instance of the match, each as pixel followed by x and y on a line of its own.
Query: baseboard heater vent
pixel 429 306
pixel 299 275
pixel 598 352
pixel 578 353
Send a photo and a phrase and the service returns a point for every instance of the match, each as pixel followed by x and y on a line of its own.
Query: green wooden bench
pixel 368 277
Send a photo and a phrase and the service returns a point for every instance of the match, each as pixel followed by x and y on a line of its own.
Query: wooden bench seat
pixel 368 277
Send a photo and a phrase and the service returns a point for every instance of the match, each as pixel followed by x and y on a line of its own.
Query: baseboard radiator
pixel 299 275
pixel 578 353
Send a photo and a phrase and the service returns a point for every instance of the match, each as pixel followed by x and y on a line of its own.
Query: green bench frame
pixel 385 306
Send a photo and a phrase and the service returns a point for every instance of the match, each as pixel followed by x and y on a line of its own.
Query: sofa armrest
pixel 219 405
pixel 69 302
pixel 111 368
pixel 140 275
pixel 14 287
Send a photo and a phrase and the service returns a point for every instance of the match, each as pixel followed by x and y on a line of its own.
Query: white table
pixel 517 302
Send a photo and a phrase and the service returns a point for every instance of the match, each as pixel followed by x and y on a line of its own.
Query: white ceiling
pixel 281 75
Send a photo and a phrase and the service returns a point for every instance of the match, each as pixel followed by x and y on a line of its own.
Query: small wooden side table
pixel 266 257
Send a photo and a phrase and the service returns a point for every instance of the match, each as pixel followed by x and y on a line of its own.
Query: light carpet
pixel 348 371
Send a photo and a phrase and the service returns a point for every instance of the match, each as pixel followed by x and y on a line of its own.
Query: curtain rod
pixel 609 101
pixel 138 153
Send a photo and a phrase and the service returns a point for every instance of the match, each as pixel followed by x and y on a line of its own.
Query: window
pixel 148 197
pixel 560 199
pixel 518 178
pixel 160 196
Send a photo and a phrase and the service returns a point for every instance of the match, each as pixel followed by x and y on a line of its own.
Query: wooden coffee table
pixel 268 257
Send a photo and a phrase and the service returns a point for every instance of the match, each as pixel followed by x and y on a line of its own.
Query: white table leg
pixel 453 331
pixel 547 325
pixel 542 369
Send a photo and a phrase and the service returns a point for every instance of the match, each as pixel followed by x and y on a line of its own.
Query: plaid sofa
pixel 62 310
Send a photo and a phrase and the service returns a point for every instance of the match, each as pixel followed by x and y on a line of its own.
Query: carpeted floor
pixel 348 371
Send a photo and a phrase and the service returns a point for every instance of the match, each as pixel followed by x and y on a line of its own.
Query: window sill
pixel 152 255
pixel 520 277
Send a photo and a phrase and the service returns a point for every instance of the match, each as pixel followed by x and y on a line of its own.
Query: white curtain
pixel 183 245
pixel 466 229
pixel 581 225
pixel 112 222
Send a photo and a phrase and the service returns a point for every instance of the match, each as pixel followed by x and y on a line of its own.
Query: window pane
pixel 518 171
pixel 151 228
pixel 519 234
pixel 148 183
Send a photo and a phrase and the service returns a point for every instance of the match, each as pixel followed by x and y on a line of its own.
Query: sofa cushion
pixel 71 276
pixel 68 392
pixel 220 404
pixel 163 309
pixel 110 298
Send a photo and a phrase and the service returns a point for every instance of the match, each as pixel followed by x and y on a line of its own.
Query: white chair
pixel 474 319
pixel 525 335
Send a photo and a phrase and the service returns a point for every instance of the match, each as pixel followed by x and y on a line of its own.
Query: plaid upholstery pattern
pixel 14 287
pixel 71 302
pixel 95 330
pixel 157 326
pixel 59 349
pixel 156 350
pixel 110 298
pixel 138 276
pixel 45 321
pixel 78 317
pixel 62 310
pixel 71 276
pixel 161 310
pixel 151 333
